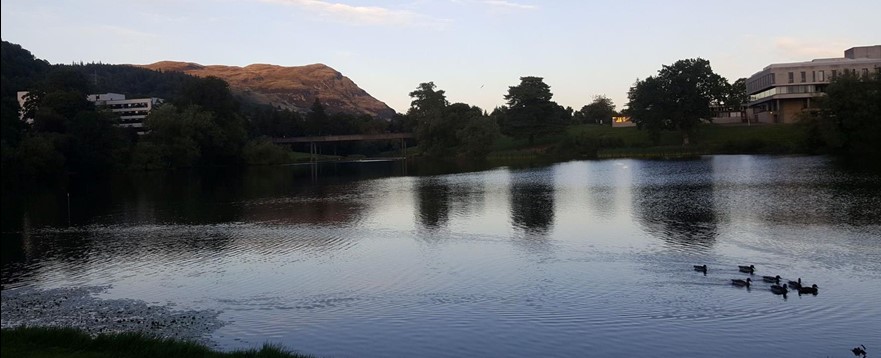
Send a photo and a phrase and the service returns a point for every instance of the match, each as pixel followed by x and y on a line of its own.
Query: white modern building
pixel 781 91
pixel 132 112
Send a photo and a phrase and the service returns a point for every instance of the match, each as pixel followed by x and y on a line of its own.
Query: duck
pixel 748 269
pixel 795 284
pixel 779 290
pixel 701 268
pixel 859 351
pixel 741 283
pixel 812 290
pixel 775 279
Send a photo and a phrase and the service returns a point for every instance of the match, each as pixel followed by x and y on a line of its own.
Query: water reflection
pixel 503 262
pixel 433 203
pixel 678 207
pixel 532 202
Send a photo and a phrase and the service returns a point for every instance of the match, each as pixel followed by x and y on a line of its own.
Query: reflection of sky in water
pixel 574 258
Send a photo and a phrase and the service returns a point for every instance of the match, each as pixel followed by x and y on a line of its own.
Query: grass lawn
pixel 67 342
pixel 632 142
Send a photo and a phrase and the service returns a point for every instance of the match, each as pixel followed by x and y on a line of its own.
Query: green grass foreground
pixel 68 342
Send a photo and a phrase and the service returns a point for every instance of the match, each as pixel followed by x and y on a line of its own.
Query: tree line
pixel 204 124
pixel 201 124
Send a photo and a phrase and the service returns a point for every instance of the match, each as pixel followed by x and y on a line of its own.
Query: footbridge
pixel 315 140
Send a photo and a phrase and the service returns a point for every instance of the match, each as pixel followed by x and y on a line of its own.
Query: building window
pixel 804 77
pixel 821 77
pixel 791 77
pixel 773 79
pixel 834 74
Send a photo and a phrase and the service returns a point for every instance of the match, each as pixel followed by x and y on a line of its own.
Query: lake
pixel 378 259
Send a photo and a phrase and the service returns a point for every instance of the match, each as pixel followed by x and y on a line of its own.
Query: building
pixel 132 112
pixel 781 91
pixel 622 121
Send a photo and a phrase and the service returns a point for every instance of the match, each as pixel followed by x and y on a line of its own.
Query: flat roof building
pixel 781 91
pixel 132 112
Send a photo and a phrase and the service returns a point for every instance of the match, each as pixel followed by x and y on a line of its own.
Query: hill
pixel 293 88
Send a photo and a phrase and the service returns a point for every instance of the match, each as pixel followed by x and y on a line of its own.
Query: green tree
pixel 223 144
pixel 317 120
pixel 850 115
pixel 180 136
pixel 735 95
pixel 530 110
pixel 601 110
pixel 262 151
pixel 677 98
pixel 477 137
pixel 427 110
pixel 212 94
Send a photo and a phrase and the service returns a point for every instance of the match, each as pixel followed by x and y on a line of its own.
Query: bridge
pixel 314 140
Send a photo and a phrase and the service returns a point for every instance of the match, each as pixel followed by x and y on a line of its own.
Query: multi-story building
pixel 781 91
pixel 132 112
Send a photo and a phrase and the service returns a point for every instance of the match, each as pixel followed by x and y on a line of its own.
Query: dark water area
pixel 388 258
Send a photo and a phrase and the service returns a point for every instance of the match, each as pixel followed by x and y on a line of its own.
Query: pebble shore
pixel 79 308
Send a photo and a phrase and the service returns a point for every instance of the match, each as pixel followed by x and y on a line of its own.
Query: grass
pixel 68 342
pixel 630 142
pixel 633 143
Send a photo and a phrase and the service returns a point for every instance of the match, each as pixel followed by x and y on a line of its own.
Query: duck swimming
pixel 779 290
pixel 741 283
pixel 775 279
pixel 748 269
pixel 795 284
pixel 811 290
pixel 859 351
pixel 701 268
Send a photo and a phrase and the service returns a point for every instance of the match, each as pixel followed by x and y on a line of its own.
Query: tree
pixel 317 121
pixel 735 95
pixel 477 137
pixel 849 115
pixel 212 94
pixel 426 99
pixel 677 98
pixel 530 110
pixel 427 109
pixel 601 110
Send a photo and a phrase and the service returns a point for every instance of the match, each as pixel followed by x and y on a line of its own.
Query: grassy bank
pixel 586 141
pixel 66 342
pixel 582 141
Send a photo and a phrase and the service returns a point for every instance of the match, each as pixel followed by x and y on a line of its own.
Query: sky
pixel 472 49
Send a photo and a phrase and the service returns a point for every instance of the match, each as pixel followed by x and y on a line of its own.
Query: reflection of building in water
pixel 779 92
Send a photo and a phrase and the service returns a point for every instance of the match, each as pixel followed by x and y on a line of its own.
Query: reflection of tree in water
pixel 532 207
pixel 683 215
pixel 434 203
pixel 855 195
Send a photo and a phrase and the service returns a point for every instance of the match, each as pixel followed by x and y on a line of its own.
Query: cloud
pixel 509 4
pixel 802 50
pixel 363 15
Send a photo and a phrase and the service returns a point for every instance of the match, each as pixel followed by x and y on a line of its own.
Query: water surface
pixel 586 258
